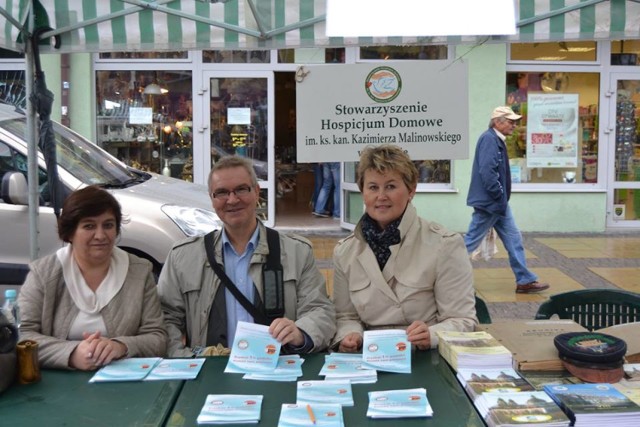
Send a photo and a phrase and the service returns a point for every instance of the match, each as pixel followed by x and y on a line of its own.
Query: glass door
pixel 623 200
pixel 239 111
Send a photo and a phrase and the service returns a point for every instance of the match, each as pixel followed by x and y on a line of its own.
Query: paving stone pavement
pixel 546 257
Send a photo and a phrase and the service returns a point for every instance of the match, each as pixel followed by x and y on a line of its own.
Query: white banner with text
pixel 421 106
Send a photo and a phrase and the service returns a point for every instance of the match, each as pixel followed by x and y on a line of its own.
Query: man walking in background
pixel 489 194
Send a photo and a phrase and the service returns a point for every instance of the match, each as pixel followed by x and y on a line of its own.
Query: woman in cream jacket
pixel 397 270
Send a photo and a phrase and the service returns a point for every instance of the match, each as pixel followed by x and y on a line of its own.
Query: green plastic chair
pixel 593 308
pixel 482 312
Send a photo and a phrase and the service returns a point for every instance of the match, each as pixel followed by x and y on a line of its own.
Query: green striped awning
pixel 144 25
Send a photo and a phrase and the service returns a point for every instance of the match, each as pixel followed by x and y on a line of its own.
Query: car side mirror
pixel 14 189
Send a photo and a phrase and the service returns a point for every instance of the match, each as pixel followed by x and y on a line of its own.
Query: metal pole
pixel 32 151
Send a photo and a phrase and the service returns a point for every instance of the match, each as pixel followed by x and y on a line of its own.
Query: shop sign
pixel 423 107
pixel 552 130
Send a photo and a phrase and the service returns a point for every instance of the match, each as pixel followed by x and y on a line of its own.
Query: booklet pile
pixel 322 415
pixel 347 366
pixel 327 391
pixel 148 369
pixel 408 403
pixel 595 404
pixel 230 409
pixel 473 350
pixel 504 398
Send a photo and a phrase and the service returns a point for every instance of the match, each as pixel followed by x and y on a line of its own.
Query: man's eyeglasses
pixel 224 194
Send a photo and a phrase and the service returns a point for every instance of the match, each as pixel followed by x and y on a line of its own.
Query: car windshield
pixel 82 159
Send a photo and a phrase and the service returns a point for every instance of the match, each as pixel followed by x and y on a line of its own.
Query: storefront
pixel 177 112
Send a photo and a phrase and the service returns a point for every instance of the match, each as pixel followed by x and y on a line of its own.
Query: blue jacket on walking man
pixel 489 194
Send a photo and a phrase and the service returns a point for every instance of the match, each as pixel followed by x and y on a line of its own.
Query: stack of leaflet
pixel 503 398
pixel 230 409
pixel 520 408
pixel 473 350
pixel 289 368
pixel 148 369
pixel 347 366
pixel 328 391
pixel 478 381
pixel 595 404
pixel 325 415
pixel 410 403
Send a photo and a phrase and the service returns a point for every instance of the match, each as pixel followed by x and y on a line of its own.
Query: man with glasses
pixel 489 194
pixel 200 309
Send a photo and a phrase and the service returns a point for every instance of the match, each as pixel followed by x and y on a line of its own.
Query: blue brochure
pixel 289 368
pixel 330 391
pixel 399 404
pixel 131 369
pixel 253 350
pixel 319 415
pixel 176 369
pixel 230 409
pixel 387 350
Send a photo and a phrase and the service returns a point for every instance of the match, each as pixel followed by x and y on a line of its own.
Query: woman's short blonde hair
pixel 387 158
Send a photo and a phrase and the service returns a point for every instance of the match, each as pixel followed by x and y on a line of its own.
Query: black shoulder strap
pixel 272 278
pixel 257 315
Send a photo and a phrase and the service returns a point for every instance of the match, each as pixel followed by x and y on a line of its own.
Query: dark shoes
pixel 321 214
pixel 531 288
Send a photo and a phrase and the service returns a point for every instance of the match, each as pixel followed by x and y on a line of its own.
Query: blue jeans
pixel 317 184
pixel 330 180
pixel 481 223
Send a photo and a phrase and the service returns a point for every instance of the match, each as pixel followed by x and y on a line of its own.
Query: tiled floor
pixel 566 262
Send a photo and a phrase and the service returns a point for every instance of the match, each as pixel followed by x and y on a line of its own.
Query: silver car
pixel 159 210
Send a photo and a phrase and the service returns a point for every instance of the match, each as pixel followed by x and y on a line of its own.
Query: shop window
pixel 626 205
pixel 404 52
pixel 556 51
pixel 312 56
pixel 12 88
pixel 627 157
pixel 144 55
pixel 625 52
pixel 145 119
pixel 556 141
pixel 239 120
pixel 236 56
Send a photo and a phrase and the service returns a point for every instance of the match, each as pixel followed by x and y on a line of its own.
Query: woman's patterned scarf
pixel 380 241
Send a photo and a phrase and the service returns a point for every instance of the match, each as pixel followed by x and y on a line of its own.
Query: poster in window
pixel 552 130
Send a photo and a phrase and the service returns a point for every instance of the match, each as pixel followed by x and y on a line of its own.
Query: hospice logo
pixel 383 84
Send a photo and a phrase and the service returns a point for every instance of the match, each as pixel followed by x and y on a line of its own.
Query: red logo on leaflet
pixel 541 138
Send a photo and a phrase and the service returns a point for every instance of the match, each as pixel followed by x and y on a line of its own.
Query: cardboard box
pixel 630 333
pixel 531 341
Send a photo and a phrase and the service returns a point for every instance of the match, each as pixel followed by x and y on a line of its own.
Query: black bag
pixel 8 359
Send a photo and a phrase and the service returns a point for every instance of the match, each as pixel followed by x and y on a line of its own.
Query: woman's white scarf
pixel 85 299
